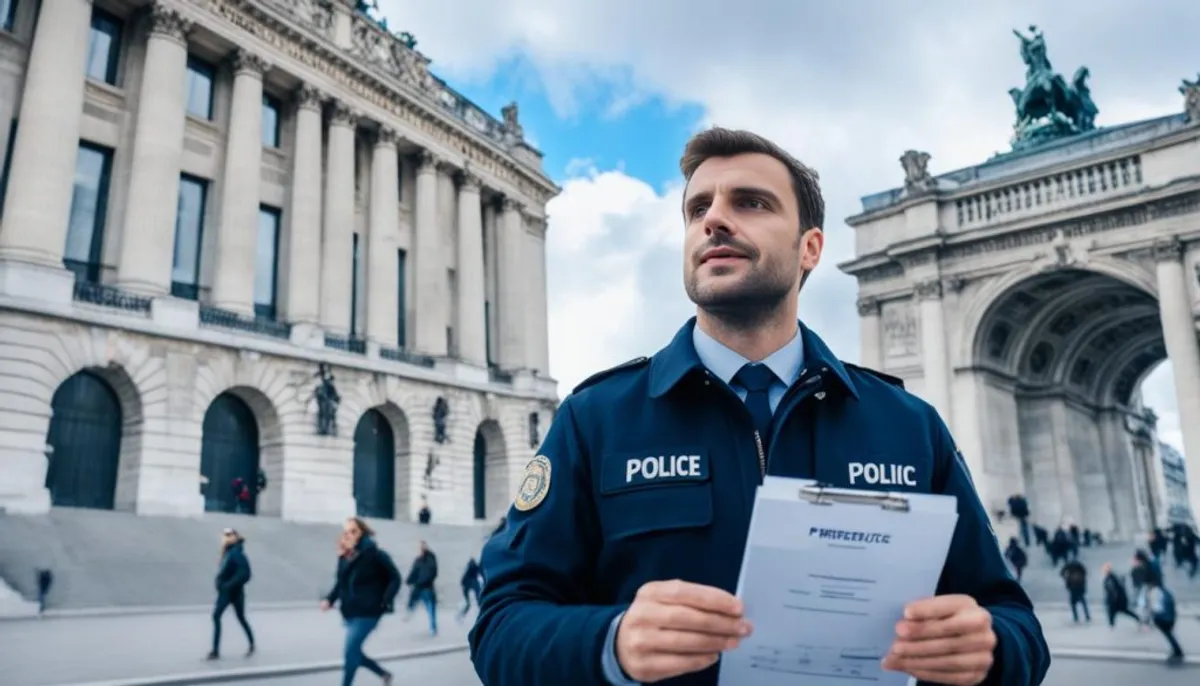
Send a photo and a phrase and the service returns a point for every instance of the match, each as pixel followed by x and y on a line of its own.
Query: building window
pixel 199 88
pixel 401 298
pixel 104 47
pixel 270 122
pixel 8 14
pixel 189 237
pixel 354 288
pixel 89 206
pixel 266 262
pixel 400 183
pixel 487 333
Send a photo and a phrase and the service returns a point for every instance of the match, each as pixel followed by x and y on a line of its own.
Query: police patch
pixel 535 485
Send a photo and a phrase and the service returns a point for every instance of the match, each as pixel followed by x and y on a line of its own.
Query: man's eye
pixel 754 203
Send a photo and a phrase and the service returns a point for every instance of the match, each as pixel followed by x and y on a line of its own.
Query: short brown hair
pixel 719 142
pixel 363 526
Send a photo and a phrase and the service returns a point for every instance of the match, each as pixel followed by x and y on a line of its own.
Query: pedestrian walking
pixel 1162 613
pixel 472 581
pixel 1116 598
pixel 365 589
pixel 1074 574
pixel 421 578
pixel 45 579
pixel 232 576
pixel 1016 556
pixel 1018 506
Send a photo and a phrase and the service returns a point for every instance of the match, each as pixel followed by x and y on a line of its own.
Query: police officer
pixel 624 542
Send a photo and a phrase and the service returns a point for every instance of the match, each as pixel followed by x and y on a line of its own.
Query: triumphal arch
pixel 1027 297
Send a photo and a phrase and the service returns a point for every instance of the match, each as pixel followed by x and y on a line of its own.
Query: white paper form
pixel 824 583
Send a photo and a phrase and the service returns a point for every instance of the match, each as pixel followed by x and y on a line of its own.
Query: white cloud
pixel 845 86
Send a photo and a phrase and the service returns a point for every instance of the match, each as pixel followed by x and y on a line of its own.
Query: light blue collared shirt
pixel 787 364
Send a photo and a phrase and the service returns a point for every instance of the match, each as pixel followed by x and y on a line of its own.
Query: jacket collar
pixel 678 359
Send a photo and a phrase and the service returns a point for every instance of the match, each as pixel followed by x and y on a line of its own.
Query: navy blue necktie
pixel 756 379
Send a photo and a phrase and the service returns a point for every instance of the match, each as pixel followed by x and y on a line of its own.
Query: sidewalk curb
pixel 269 672
pixel 1136 656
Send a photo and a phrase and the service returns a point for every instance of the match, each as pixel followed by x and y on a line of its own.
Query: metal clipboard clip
pixel 820 494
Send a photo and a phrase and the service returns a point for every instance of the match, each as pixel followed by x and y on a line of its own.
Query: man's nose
pixel 717 218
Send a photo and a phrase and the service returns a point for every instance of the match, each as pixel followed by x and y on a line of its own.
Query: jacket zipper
pixel 762 457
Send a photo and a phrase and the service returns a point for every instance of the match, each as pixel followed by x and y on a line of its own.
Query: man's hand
pixel 325 605
pixel 946 640
pixel 676 627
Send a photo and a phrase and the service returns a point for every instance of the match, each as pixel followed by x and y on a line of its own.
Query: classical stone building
pixel 259 240
pixel 1027 297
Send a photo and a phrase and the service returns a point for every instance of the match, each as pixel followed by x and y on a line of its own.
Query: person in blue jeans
pixel 365 590
pixel 421 577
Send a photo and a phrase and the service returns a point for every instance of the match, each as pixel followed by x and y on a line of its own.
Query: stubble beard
pixel 759 298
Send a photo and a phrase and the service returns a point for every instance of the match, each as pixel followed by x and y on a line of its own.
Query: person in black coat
pixel 1116 598
pixel 232 576
pixel 421 578
pixel 472 582
pixel 365 590
pixel 1016 556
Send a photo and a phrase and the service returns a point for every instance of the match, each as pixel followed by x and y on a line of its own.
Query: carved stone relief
pixel 899 330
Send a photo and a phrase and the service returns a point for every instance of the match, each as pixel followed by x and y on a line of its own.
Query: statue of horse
pixel 1085 109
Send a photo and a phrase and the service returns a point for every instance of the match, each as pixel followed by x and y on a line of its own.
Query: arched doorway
pixel 374 466
pixel 1056 369
pixel 229 451
pixel 84 443
pixel 490 476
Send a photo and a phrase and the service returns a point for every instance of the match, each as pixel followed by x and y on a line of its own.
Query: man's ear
pixel 812 243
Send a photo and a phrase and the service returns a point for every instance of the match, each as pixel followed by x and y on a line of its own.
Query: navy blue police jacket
pixel 558 573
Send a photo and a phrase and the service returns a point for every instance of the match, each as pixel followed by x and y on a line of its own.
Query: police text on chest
pixel 662 467
pixel 881 474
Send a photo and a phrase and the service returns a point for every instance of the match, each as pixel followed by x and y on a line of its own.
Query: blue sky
pixel 643 139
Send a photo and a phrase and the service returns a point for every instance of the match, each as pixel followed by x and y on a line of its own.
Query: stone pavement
pixel 80 650
pixel 1125 640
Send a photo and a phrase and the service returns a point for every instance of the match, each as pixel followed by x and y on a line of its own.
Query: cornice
pixel 418 112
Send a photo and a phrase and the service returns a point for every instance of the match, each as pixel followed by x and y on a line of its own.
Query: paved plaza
pixel 115 650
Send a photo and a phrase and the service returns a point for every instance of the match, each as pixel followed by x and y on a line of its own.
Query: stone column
pixel 1183 350
pixel 303 295
pixel 472 336
pixel 933 347
pixel 337 244
pixel 430 335
pixel 237 233
pixel 148 234
pixel 382 267
pixel 42 179
pixel 510 235
pixel 871 353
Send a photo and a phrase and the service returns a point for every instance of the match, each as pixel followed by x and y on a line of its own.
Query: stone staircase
pixel 106 559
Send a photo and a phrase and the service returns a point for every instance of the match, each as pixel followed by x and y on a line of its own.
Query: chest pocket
pixel 655 491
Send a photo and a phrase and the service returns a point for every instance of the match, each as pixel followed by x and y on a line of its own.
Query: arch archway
pixel 83 442
pixel 381 463
pixel 490 483
pixel 229 455
pixel 1056 359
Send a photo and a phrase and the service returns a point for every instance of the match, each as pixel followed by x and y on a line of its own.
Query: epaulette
pixel 600 376
pixel 888 378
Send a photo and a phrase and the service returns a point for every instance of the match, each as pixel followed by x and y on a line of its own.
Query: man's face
pixel 743 248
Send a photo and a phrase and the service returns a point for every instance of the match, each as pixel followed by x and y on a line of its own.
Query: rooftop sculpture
pixel 1048 107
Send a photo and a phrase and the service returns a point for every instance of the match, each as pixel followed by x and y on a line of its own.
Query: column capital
pixel 445 166
pixel 342 115
pixel 868 307
pixel 168 23
pixel 929 290
pixel 1168 249
pixel 308 97
pixel 245 62
pixel 469 182
pixel 427 161
pixel 512 205
pixel 386 137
